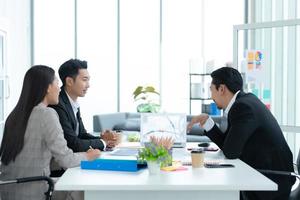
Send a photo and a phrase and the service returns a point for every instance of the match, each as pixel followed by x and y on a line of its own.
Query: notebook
pixel 125 152
pixel 164 125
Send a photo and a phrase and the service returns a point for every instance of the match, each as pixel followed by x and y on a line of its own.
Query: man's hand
pixel 108 135
pixel 110 138
pixel 201 119
pixel 110 144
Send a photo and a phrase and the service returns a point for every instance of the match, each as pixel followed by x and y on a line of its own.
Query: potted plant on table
pixel 147 98
pixel 156 153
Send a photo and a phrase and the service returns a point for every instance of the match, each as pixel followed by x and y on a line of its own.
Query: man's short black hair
pixel 229 77
pixel 71 69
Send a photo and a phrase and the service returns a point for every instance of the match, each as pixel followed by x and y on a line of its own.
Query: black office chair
pixel 33 179
pixel 295 194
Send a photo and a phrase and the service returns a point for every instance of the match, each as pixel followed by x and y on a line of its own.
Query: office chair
pixel 295 194
pixel 33 179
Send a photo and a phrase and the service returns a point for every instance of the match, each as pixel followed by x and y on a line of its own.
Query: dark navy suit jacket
pixel 254 136
pixel 83 140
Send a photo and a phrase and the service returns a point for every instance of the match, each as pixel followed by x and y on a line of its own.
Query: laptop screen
pixel 164 125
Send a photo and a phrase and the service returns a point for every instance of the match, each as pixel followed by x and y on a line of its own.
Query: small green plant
pixel 133 138
pixel 146 96
pixel 156 153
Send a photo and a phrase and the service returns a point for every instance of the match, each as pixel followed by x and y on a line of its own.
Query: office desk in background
pixel 201 183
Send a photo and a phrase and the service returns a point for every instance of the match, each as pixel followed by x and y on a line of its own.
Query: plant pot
pixel 153 167
pixel 148 108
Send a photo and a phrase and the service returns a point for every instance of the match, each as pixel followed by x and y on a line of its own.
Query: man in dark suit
pixel 253 134
pixel 75 78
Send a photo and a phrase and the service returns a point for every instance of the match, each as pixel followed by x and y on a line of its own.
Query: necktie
pixel 78 118
pixel 78 115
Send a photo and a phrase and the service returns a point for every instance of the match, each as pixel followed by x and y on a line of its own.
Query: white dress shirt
pixel 75 107
pixel 209 124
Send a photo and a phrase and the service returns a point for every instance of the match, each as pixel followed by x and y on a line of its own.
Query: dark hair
pixel 229 77
pixel 35 85
pixel 71 69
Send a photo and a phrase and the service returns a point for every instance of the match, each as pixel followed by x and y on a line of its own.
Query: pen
pixel 91 147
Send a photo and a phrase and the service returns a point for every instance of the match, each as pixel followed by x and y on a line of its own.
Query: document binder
pixel 130 165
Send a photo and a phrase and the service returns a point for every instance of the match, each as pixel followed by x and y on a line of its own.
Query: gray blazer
pixel 43 140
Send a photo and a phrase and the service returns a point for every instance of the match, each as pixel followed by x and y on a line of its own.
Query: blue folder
pixel 130 165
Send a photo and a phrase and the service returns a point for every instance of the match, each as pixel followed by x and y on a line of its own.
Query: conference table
pixel 192 183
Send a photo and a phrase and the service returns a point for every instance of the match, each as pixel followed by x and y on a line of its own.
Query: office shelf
pixel 199 88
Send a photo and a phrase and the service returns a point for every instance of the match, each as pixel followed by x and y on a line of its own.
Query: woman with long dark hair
pixel 33 135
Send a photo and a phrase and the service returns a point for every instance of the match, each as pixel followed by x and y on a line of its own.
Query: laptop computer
pixel 164 125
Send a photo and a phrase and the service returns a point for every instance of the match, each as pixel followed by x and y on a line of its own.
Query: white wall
pixel 16 15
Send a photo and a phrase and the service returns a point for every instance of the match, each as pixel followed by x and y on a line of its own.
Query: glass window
pixel 195 38
pixel 182 34
pixel 220 16
pixel 2 98
pixel 3 81
pixel 97 44
pixel 298 9
pixel 1 52
pixel 280 49
pixel 152 42
pixel 298 79
pixel 139 48
pixel 54 24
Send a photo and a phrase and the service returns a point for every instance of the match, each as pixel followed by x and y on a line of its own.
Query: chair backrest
pixel 295 194
pixel 108 121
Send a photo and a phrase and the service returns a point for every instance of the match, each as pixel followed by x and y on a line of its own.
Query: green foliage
pixel 153 152
pixel 143 90
pixel 145 96
pixel 133 138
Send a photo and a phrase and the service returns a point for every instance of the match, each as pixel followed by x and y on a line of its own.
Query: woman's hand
pixel 92 154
